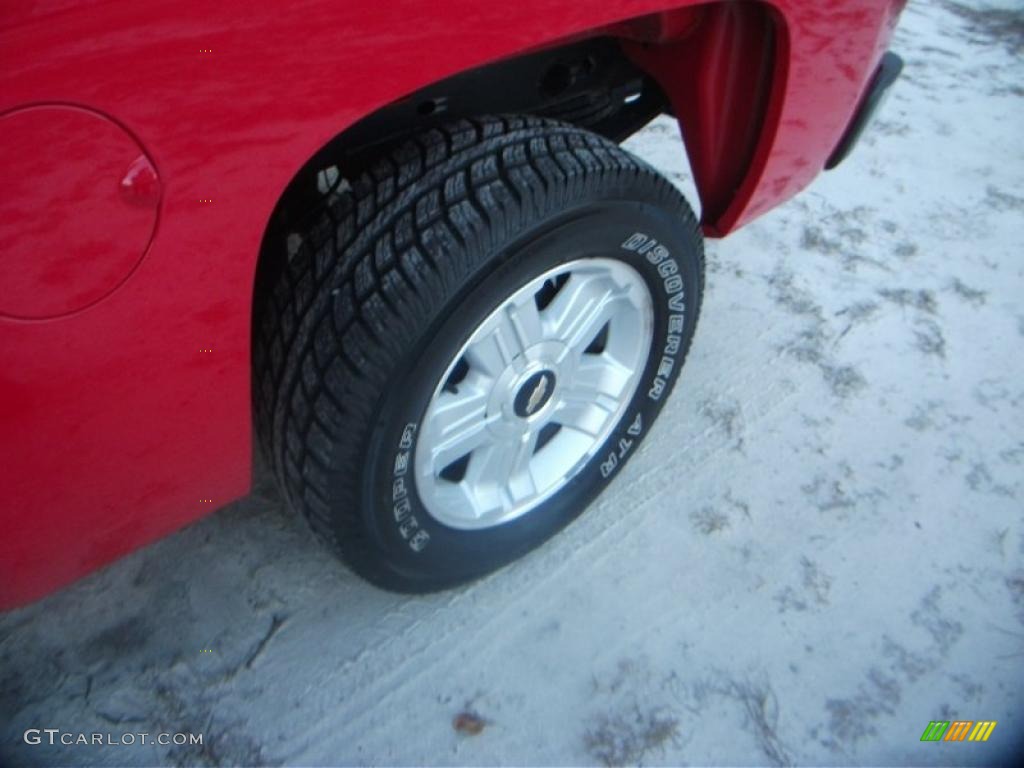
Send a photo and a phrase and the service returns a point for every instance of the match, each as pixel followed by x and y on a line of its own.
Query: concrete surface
pixel 818 550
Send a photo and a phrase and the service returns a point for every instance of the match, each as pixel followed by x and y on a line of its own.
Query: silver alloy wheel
pixel 534 393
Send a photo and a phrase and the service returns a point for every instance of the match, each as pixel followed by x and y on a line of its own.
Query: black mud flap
pixel 888 71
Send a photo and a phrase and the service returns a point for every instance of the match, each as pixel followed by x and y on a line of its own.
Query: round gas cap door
pixel 79 201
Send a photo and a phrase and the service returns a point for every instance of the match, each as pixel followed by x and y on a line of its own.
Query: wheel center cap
pixel 534 394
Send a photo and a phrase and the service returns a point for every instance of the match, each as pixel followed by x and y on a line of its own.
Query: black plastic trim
pixel 887 73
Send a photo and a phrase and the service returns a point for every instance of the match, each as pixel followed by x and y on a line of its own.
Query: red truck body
pixel 145 145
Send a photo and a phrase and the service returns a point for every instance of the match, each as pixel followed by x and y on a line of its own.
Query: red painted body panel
pixel 125 419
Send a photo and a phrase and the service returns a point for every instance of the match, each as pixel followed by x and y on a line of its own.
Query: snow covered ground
pixel 819 549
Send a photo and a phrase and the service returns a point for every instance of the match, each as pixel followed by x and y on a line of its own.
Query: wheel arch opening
pixel 588 81
pixel 718 68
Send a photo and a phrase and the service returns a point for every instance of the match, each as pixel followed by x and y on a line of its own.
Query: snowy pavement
pixel 818 550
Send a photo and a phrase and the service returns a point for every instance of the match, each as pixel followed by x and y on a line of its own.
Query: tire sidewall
pixel 651 238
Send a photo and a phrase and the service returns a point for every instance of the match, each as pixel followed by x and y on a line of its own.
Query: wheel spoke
pixel 500 342
pixel 599 380
pixel 582 416
pixel 521 484
pixel 582 307
pixel 525 320
pixel 458 426
pixel 458 444
pixel 501 470
pixel 455 496
pixel 488 354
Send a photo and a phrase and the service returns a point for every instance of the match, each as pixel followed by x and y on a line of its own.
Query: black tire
pixel 360 323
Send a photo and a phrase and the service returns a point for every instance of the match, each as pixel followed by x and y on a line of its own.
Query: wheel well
pixel 719 67
pixel 590 83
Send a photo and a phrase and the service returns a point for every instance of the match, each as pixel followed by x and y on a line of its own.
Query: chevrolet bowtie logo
pixel 537 396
